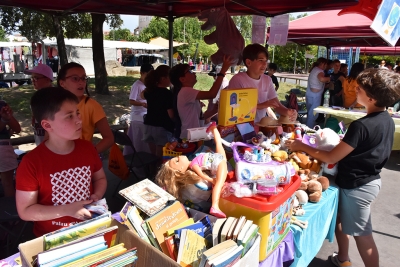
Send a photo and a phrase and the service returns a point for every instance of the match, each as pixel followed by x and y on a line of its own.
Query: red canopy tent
pixel 387 51
pixel 327 28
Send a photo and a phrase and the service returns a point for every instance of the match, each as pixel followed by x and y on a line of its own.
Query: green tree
pixel 121 35
pixel 3 35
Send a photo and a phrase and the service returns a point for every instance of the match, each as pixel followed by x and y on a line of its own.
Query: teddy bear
pixel 327 139
pixel 305 162
pixel 226 35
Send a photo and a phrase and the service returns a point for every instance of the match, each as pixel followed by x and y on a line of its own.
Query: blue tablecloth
pixel 321 219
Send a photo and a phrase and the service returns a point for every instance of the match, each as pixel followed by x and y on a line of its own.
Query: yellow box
pixel 272 214
pixel 237 106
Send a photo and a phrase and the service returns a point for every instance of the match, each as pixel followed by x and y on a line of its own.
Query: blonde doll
pixel 179 172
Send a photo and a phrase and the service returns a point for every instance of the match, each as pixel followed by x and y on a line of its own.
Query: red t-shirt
pixel 59 179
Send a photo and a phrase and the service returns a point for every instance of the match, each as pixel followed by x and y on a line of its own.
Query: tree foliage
pixel 3 35
pixel 121 35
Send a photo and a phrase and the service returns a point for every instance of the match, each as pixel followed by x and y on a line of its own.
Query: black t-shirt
pixel 337 82
pixel 372 140
pixel 274 80
pixel 158 102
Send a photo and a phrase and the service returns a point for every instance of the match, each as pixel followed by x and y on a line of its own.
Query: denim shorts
pixel 156 135
pixel 355 208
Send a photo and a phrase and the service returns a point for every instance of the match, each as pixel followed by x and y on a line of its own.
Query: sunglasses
pixel 76 79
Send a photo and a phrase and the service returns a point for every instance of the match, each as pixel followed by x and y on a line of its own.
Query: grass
pixel 115 104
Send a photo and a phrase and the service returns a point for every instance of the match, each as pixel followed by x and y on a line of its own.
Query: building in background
pixel 144 21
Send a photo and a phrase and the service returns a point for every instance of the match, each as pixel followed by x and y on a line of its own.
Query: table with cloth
pixel 301 245
pixel 347 116
pixel 135 133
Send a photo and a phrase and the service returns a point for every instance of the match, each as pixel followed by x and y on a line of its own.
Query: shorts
pixel 8 160
pixel 355 208
pixel 156 135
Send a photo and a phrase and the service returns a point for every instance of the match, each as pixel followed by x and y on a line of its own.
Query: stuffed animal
pixel 326 139
pixel 305 162
pixel 226 35
pixel 280 155
pixel 324 182
pixel 313 188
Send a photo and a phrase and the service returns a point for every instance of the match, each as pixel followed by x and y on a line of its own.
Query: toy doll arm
pixel 199 172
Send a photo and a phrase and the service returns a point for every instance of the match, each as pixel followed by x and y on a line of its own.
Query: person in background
pixel 397 69
pixel 272 67
pixel 42 77
pixel 72 77
pixel 138 110
pixel 315 89
pixel 383 65
pixel 158 124
pixel 350 87
pixel 255 57
pixel 59 177
pixel 389 66
pixel 344 68
pixel 335 86
pixel 8 163
pixel 361 155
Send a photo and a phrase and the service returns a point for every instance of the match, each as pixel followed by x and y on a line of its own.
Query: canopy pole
pixel 170 35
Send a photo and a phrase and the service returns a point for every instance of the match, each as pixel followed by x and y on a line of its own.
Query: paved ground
pixel 386 218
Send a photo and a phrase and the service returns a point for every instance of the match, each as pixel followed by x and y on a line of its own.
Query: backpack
pixel 292 102
pixel 117 164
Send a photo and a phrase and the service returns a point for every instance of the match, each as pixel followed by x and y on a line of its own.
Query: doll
pixel 179 172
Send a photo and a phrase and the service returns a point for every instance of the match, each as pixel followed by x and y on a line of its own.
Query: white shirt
pixel 137 112
pixel 264 86
pixel 189 109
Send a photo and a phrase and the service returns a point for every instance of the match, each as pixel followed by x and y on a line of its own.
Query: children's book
pixel 249 238
pixel 243 231
pixel 228 259
pixel 171 232
pixel 214 250
pixel 76 231
pixel 218 256
pixel 207 226
pixel 166 219
pixel 128 257
pixel 191 247
pixel 99 256
pixel 151 236
pixel 147 196
pixel 216 231
pixel 135 219
pixel 196 227
pixel 227 226
pixel 169 242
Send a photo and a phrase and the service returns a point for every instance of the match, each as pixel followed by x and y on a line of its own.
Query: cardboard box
pixel 237 106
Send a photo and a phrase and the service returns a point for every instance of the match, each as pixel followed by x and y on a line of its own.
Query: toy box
pixel 271 213
pixel 237 106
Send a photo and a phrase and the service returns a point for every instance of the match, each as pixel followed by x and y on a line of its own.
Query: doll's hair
pixel 173 181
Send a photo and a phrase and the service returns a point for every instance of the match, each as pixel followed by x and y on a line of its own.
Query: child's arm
pixel 30 210
pixel 7 118
pixel 99 185
pixel 107 136
pixel 199 172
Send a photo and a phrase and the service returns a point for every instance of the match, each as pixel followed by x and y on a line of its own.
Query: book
pixel 243 231
pixel 249 238
pixel 166 219
pixel 214 250
pixel 169 242
pixel 216 231
pixel 196 227
pixel 124 216
pixel 99 256
pixel 238 227
pixel 228 259
pixel 207 226
pixel 191 247
pixel 147 196
pixel 189 221
pixel 228 224
pixel 230 231
pixel 217 256
pixel 151 236
pixel 123 259
pixel 135 219
pixel 68 234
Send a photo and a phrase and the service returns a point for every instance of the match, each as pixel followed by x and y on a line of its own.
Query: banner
pixel 386 22
pixel 258 29
pixel 279 30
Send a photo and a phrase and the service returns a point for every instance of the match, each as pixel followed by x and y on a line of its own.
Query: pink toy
pixel 297 133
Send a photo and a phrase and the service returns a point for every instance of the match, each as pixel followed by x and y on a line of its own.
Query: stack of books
pixel 89 243
pixel 203 240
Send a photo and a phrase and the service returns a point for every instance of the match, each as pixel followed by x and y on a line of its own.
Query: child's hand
pixel 6 113
pixel 94 197
pixel 227 62
pixel 293 145
pixel 292 113
pixel 77 210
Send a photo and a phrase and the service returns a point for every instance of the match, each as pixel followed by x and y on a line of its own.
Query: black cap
pixel 146 68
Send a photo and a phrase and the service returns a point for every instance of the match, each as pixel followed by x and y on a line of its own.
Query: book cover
pixel 249 238
pixel 216 231
pixel 228 224
pixel 243 231
pixel 99 256
pixel 193 245
pixel 135 219
pixel 166 219
pixel 147 196
pixel 229 259
pixel 214 250
pixel 189 221
pixel 207 229
pixel 76 231
pixel 196 227
pixel 151 236
pixel 169 242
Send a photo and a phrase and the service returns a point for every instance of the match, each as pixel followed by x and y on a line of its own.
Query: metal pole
pixel 170 34
pixel 295 57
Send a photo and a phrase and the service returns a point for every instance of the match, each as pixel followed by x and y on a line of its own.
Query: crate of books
pixel 184 236
pixel 271 213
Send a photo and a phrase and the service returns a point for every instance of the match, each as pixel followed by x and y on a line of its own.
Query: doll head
pixel 174 180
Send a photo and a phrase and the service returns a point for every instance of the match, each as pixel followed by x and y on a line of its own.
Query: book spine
pixel 169 242
pixel 151 236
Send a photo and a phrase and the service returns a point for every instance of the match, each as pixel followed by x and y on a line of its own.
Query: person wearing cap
pixel 41 76
pixel 138 110
pixel 187 98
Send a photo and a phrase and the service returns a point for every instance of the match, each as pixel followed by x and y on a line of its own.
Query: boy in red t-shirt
pixel 56 179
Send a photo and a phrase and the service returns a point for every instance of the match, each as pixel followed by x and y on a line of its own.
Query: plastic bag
pixel 117 164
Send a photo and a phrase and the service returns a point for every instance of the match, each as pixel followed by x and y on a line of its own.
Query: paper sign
pixel 279 30
pixel 387 21
pixel 258 29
